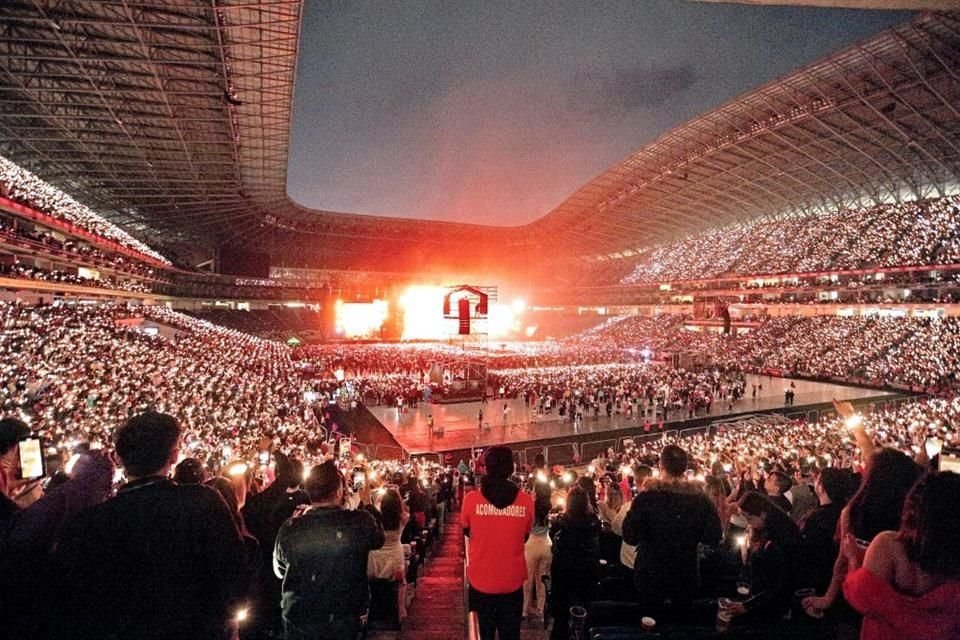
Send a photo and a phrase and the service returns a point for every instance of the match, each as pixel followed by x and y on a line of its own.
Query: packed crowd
pixel 30 272
pixel 24 187
pixel 415 359
pixel 275 323
pixel 80 376
pixel 919 352
pixel 218 381
pixel 77 372
pixel 913 233
pixel 760 527
pixel 166 546
pixel 15 232
pixel 732 529
pixel 651 335
pixel 640 390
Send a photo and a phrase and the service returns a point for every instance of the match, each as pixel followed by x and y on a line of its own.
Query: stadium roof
pixel 173 118
pixel 875 122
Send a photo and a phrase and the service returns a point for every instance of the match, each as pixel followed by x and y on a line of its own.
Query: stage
pixel 520 424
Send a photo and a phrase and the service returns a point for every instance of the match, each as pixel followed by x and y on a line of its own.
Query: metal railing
pixel 473 626
pixel 473 623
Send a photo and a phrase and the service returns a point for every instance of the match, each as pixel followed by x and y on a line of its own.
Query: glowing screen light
pixel 501 323
pixel 423 313
pixel 355 320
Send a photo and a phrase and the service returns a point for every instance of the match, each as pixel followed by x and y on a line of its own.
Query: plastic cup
pixel 724 618
pixel 577 624
pixel 743 589
pixel 798 597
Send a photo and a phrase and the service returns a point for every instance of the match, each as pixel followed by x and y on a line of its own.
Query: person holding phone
pixel 12 431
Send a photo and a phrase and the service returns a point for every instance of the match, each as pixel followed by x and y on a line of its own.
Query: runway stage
pixel 520 424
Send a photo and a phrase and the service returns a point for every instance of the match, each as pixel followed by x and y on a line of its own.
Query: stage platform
pixel 521 425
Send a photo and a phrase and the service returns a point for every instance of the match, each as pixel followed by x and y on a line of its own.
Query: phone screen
pixel 31 459
pixel 949 460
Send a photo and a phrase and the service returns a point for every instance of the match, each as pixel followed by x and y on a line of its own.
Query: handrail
pixel 473 623
pixel 473 626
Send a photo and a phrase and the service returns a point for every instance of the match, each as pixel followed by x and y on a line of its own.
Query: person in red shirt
pixel 907 585
pixel 497 519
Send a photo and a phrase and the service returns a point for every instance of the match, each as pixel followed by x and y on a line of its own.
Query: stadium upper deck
pixel 173 119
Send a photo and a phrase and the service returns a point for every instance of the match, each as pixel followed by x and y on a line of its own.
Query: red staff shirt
pixel 497 537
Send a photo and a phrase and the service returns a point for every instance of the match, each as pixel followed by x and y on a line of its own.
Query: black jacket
pixel 576 556
pixel 160 560
pixel 666 522
pixel 575 568
pixel 771 572
pixel 819 547
pixel 321 557
pixel 264 514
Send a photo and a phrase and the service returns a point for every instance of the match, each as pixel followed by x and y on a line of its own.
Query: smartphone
pixel 949 460
pixel 359 479
pixel 932 446
pixel 32 463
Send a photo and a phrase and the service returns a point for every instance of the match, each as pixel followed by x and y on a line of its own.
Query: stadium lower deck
pixel 521 425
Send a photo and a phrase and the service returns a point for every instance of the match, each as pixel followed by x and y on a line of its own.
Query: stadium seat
pixel 384 605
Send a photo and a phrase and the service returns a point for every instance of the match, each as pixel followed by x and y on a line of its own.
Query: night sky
pixel 495 112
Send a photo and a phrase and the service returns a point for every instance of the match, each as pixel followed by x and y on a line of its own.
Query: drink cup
pixel 724 618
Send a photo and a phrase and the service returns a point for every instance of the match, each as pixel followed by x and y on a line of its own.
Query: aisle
pixel 437 612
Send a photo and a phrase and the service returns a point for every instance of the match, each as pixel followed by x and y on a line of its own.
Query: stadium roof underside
pixel 173 118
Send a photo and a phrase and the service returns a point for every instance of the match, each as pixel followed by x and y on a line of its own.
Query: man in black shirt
pixel 159 560
pixel 666 522
pixel 321 556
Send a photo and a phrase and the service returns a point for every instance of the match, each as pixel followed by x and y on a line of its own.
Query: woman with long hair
pixel 718 490
pixel 611 506
pixel 576 559
pixel 908 583
pixel 875 507
pixel 389 562
pixel 770 565
pixel 538 554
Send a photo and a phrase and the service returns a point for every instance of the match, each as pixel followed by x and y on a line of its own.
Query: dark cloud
pixel 620 92
pixel 643 88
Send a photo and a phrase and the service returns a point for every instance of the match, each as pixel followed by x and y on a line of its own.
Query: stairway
pixel 437 612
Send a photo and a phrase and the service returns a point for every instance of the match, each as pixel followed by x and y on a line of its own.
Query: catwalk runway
pixel 521 424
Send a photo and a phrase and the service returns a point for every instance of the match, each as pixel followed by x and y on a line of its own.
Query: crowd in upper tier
pixel 26 188
pixel 920 352
pixel 912 233
pixel 54 275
